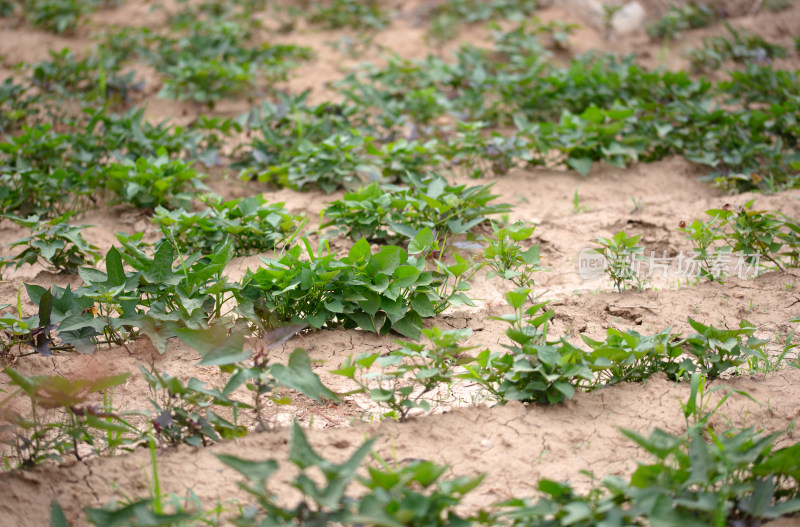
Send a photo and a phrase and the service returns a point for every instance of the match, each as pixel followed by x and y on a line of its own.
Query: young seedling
pixel 677 19
pixel 352 14
pixel 756 234
pixel 410 373
pixel 507 259
pixel 718 350
pixel 40 438
pixel 622 255
pixel 577 208
pixel 704 237
pixel 696 410
pixel 182 412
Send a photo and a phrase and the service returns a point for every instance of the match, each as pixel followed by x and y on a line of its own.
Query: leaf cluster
pixel 595 108
pixel 741 47
pixel 751 234
pixel 392 289
pixel 62 420
pixel 57 16
pixel 36 439
pixel 338 14
pixel 622 256
pixel 388 212
pixel 154 182
pixel 253 225
pixel 535 369
pixel 215 59
pixel 678 19
pixel 446 17
pixel 184 411
pixel 50 173
pixel 411 494
pixel 693 480
pixel 56 242
pixel 409 373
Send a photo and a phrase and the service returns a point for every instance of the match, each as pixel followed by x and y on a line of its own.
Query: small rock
pixel 629 19
pixel 485 443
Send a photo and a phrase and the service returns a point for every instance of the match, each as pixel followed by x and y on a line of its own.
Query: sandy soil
pixel 514 445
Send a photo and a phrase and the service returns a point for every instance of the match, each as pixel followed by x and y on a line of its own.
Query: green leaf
pixel 364 321
pixel 394 309
pixel 157 331
pixel 215 345
pixel 403 229
pixel 423 305
pixel 106 382
pixel 299 376
pixel 360 252
pixel 114 269
pixel 57 517
pixel 160 271
pixel 300 451
pixel 422 242
pixel 256 471
pixel 517 297
pixel 406 275
pixel 138 513
pixel 102 424
pixel 565 388
pixel 409 326
pixel 45 308
pixel 387 260
pixel 582 164
pixel 759 503
pixel 576 511
pixel 593 114
pixel 371 303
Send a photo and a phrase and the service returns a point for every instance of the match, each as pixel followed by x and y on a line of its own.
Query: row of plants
pixel 207 54
pixel 65 420
pixel 50 173
pixel 596 108
pixel 57 16
pixel 402 382
pixel 208 58
pixel 65 16
pixel 412 116
pixel 391 289
pixel 757 239
pixel 388 213
pixel 396 214
pixel 377 213
pixel 166 296
pixel 693 15
pixel 702 476
pixel 742 474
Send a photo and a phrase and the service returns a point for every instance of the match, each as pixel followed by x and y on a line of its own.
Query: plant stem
pixel 157 505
